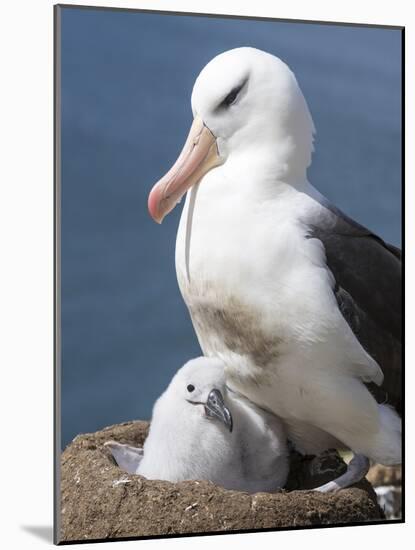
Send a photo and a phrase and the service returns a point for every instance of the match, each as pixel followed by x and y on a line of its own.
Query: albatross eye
pixel 190 388
pixel 230 98
pixel 233 94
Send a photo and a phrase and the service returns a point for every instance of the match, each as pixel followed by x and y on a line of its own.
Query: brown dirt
pixel 100 501
pixel 383 475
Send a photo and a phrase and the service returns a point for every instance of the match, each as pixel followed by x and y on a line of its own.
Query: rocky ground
pixel 100 501
pixel 387 483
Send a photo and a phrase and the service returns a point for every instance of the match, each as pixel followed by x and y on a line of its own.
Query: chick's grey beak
pixel 215 408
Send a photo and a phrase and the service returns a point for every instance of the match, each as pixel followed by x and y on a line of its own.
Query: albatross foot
pixel 356 470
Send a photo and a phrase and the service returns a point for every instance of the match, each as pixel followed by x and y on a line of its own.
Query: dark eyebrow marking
pixel 231 97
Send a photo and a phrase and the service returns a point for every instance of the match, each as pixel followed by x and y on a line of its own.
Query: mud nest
pixel 100 501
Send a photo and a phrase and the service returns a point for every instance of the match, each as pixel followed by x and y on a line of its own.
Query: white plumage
pixel 186 442
pixel 253 269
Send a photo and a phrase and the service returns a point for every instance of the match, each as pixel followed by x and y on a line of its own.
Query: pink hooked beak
pixel 198 156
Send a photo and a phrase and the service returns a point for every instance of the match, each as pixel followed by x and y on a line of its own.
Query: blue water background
pixel 126 84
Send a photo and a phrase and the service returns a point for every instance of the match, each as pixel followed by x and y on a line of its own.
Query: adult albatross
pixel 301 303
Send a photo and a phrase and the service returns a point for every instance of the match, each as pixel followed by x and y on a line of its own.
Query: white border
pixel 26 229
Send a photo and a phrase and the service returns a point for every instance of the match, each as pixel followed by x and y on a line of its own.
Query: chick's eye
pixel 190 388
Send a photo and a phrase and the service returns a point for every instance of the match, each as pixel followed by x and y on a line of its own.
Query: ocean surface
pixel 126 84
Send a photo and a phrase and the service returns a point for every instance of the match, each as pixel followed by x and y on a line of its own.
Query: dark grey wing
pixel 368 289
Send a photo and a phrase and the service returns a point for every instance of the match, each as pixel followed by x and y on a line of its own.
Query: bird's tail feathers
pixel 369 371
pixel 386 444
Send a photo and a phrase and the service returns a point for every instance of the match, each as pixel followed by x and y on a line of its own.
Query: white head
pixel 189 435
pixel 246 105
pixel 197 391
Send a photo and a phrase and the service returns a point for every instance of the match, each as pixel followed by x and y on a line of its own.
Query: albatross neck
pixel 261 174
